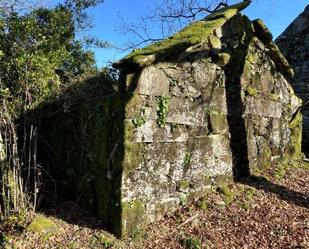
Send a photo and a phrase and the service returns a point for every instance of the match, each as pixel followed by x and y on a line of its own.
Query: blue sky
pixel 277 14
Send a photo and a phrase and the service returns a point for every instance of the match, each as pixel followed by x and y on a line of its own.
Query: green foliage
pixel 191 243
pixel 188 157
pixel 162 108
pixel 16 221
pixel 77 8
pixel 101 241
pixel 173 127
pixel 40 58
pixel 140 119
pixel 40 55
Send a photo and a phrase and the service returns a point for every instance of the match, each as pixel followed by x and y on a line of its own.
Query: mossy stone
pixel 296 137
pixel 133 219
pixel 251 91
pixel 214 42
pixel 41 224
pixel 223 180
pixel 228 195
pixel 134 155
pixel 262 31
pixel 193 34
pixel 223 59
pixel 264 161
pixel 218 123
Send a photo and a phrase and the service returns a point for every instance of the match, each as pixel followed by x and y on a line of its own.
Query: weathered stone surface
pixel 294 44
pixel 153 81
pixel 204 113
pixel 183 111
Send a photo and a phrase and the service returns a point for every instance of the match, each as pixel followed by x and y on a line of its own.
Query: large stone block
pixel 153 81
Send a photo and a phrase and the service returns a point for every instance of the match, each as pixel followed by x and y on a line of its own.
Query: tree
pixel 40 56
pixel 166 18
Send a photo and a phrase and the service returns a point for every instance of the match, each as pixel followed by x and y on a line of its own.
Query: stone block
pixel 186 112
pixel 153 81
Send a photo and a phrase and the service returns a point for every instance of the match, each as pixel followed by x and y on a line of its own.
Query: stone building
pixel 210 104
pixel 294 44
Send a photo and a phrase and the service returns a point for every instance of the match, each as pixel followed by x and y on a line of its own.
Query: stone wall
pixel 294 44
pixel 208 105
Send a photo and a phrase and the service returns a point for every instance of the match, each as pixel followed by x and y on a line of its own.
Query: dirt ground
pixel 269 210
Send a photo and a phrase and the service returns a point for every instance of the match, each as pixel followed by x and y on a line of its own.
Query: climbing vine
pixel 162 108
pixel 140 119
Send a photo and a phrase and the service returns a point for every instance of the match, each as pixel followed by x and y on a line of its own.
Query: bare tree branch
pixel 168 16
pixel 10 6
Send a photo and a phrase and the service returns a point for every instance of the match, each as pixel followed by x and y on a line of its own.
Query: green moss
pixel 41 224
pixel 245 203
pixel 183 185
pixel 228 195
pixel 214 42
pixel 251 91
pixel 134 154
pixel 131 103
pixel 129 128
pixel 251 58
pixel 279 172
pixel 222 59
pixel 218 122
pixel 202 204
pixel 101 241
pixel 230 11
pixel 296 121
pixel 295 126
pixel 262 31
pixel 274 96
pixel 132 217
pixel 304 165
pixel 195 33
pixel 191 35
pixel 129 79
pixel 207 180
pixel 264 156
pixel 223 180
pixel 281 62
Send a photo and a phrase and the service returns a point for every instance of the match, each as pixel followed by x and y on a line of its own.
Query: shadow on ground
pixel 283 193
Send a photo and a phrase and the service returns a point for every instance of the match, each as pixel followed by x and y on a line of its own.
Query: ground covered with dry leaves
pixel 263 211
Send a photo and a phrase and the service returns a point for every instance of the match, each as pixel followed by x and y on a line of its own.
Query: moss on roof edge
pixel 264 34
pixel 193 34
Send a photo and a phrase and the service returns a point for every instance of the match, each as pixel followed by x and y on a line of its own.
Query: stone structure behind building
pixel 294 44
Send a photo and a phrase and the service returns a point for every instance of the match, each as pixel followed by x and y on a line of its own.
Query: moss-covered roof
pixel 195 33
